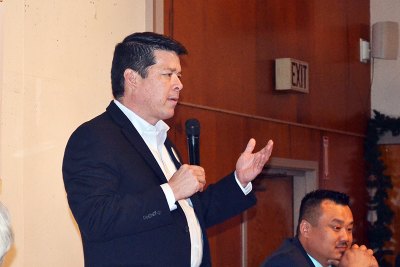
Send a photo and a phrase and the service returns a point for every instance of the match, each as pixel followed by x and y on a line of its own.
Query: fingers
pixel 360 255
pixel 200 178
pixel 250 146
pixel 370 252
pixel 188 180
pixel 266 150
pixel 367 250
pixel 374 262
pixel 265 153
pixel 363 248
pixel 270 146
pixel 197 173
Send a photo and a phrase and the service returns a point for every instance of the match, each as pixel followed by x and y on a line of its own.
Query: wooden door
pixel 269 222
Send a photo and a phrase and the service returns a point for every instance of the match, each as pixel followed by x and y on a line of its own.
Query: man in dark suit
pixel 134 202
pixel 324 236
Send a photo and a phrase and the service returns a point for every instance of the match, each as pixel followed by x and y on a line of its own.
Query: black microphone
pixel 193 140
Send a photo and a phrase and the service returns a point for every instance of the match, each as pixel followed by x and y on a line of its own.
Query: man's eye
pixel 170 74
pixel 337 228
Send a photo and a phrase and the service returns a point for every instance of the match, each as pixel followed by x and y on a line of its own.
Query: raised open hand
pixel 250 164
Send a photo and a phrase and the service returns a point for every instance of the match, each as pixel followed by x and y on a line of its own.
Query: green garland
pixel 378 184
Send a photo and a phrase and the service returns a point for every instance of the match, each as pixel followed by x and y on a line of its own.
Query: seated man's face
pixel 333 234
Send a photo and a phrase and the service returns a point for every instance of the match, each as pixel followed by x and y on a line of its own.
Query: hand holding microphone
pixel 189 179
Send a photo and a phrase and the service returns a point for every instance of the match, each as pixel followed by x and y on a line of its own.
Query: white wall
pixel 385 94
pixel 55 59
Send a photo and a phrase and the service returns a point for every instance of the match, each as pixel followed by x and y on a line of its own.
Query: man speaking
pixel 135 203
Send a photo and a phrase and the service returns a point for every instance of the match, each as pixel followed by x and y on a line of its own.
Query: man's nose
pixel 346 236
pixel 177 83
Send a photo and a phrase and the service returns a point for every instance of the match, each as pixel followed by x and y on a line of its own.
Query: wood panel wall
pixel 228 80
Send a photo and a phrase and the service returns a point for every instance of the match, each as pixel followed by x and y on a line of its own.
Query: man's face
pixel 156 96
pixel 333 233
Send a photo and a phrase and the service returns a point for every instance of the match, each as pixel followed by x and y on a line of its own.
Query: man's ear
pixel 305 228
pixel 130 77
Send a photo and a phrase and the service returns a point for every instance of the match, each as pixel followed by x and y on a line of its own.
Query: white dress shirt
pixel 154 136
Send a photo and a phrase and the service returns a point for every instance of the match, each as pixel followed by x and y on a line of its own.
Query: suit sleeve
pixel 223 200
pixel 92 178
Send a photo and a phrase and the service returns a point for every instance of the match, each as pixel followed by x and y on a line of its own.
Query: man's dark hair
pixel 136 52
pixel 310 204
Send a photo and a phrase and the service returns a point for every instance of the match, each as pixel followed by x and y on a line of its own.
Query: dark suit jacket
pixel 290 254
pixel 113 187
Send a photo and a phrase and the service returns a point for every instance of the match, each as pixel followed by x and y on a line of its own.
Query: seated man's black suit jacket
pixel 290 254
pixel 113 188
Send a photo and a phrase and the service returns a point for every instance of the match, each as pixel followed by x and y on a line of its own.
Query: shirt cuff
pixel 169 195
pixel 246 190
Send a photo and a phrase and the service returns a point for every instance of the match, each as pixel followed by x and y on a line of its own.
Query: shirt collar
pixel 145 129
pixel 316 263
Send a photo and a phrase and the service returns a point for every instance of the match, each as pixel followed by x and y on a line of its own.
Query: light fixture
pixel 384 42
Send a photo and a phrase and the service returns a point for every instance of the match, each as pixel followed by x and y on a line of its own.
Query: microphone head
pixel 192 127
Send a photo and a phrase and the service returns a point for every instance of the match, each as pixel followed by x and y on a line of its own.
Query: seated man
pixel 324 236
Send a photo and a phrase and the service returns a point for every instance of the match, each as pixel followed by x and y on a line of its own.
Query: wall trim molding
pixel 256 117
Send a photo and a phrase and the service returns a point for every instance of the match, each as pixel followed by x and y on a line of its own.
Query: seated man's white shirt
pixel 316 263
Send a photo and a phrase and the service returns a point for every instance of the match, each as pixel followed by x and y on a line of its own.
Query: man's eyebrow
pixel 341 221
pixel 171 69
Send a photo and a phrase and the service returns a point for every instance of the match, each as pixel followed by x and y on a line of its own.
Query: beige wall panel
pixel 55 74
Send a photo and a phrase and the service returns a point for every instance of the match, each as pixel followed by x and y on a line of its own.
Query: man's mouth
pixel 174 99
pixel 342 248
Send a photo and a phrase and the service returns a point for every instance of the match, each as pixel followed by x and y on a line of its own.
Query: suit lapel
pixel 297 243
pixel 133 136
pixel 173 153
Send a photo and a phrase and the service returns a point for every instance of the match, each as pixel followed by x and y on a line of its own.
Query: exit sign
pixel 291 74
